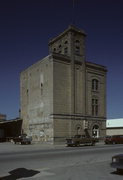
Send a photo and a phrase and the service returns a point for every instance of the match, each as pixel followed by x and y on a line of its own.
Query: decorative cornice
pixel 61 57
pixel 84 117
pixel 96 66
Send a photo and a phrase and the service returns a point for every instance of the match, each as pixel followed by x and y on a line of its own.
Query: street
pixel 34 162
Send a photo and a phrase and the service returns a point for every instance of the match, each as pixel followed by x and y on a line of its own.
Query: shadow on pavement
pixel 19 173
pixel 117 173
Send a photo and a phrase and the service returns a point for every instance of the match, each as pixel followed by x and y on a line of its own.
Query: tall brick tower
pixel 63 94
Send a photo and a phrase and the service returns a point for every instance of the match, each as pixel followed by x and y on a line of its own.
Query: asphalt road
pixel 59 163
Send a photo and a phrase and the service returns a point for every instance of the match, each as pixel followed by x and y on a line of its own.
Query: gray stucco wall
pixel 37 99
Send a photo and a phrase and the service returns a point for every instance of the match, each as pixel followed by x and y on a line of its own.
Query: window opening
pixel 66 42
pixel 95 84
pixel 94 107
pixel 65 50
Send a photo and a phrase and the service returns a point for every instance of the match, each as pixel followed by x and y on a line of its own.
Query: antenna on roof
pixel 73 12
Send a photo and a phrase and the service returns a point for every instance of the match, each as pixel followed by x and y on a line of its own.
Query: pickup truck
pixel 23 139
pixel 78 140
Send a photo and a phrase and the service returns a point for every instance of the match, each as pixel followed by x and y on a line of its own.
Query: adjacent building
pixel 10 128
pixel 2 117
pixel 114 126
pixel 63 94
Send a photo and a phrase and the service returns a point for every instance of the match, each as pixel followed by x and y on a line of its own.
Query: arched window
pixel 95 84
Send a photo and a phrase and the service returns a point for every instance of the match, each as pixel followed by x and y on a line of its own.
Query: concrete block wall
pixel 37 98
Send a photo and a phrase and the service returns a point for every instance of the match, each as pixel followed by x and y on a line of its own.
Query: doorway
pixel 95 131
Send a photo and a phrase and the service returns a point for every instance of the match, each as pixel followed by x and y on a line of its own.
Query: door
pixel 95 131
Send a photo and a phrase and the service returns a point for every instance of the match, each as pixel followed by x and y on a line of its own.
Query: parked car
pixel 78 140
pixel 107 140
pixel 115 139
pixel 23 139
pixel 117 162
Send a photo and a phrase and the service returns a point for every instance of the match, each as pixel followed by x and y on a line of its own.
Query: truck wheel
pixel 119 170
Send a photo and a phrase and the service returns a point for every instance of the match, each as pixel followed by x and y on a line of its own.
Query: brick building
pixel 63 94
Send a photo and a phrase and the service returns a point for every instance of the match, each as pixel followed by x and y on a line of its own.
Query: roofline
pixel 70 28
pixel 97 66
pixel 38 61
pixel 115 119
pixel 11 120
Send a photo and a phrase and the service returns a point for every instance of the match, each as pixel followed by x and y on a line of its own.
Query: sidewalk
pixel 9 147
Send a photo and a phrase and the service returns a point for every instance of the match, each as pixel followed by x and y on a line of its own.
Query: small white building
pixel 114 126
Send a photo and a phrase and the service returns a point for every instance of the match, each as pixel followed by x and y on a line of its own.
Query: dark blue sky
pixel 27 25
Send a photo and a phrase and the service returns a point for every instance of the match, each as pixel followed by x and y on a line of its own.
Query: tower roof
pixel 71 28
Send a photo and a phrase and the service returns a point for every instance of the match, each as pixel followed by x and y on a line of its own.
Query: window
pixel 66 42
pixel 54 49
pixel 95 84
pixel 77 42
pixel 27 93
pixel 94 107
pixel 77 47
pixel 41 88
pixel 77 50
pixel 41 85
pixel 65 50
pixel 60 49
